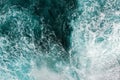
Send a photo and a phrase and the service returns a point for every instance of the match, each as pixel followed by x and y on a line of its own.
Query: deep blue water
pixel 59 39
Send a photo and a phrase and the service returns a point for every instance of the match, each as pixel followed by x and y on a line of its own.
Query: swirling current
pixel 59 39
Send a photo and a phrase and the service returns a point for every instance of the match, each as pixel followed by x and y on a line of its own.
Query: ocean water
pixel 59 39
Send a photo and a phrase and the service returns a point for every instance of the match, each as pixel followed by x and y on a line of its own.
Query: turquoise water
pixel 59 39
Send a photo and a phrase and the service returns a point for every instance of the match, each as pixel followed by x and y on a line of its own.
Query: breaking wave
pixel 60 40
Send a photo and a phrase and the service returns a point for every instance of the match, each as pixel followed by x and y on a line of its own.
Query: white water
pixel 94 52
